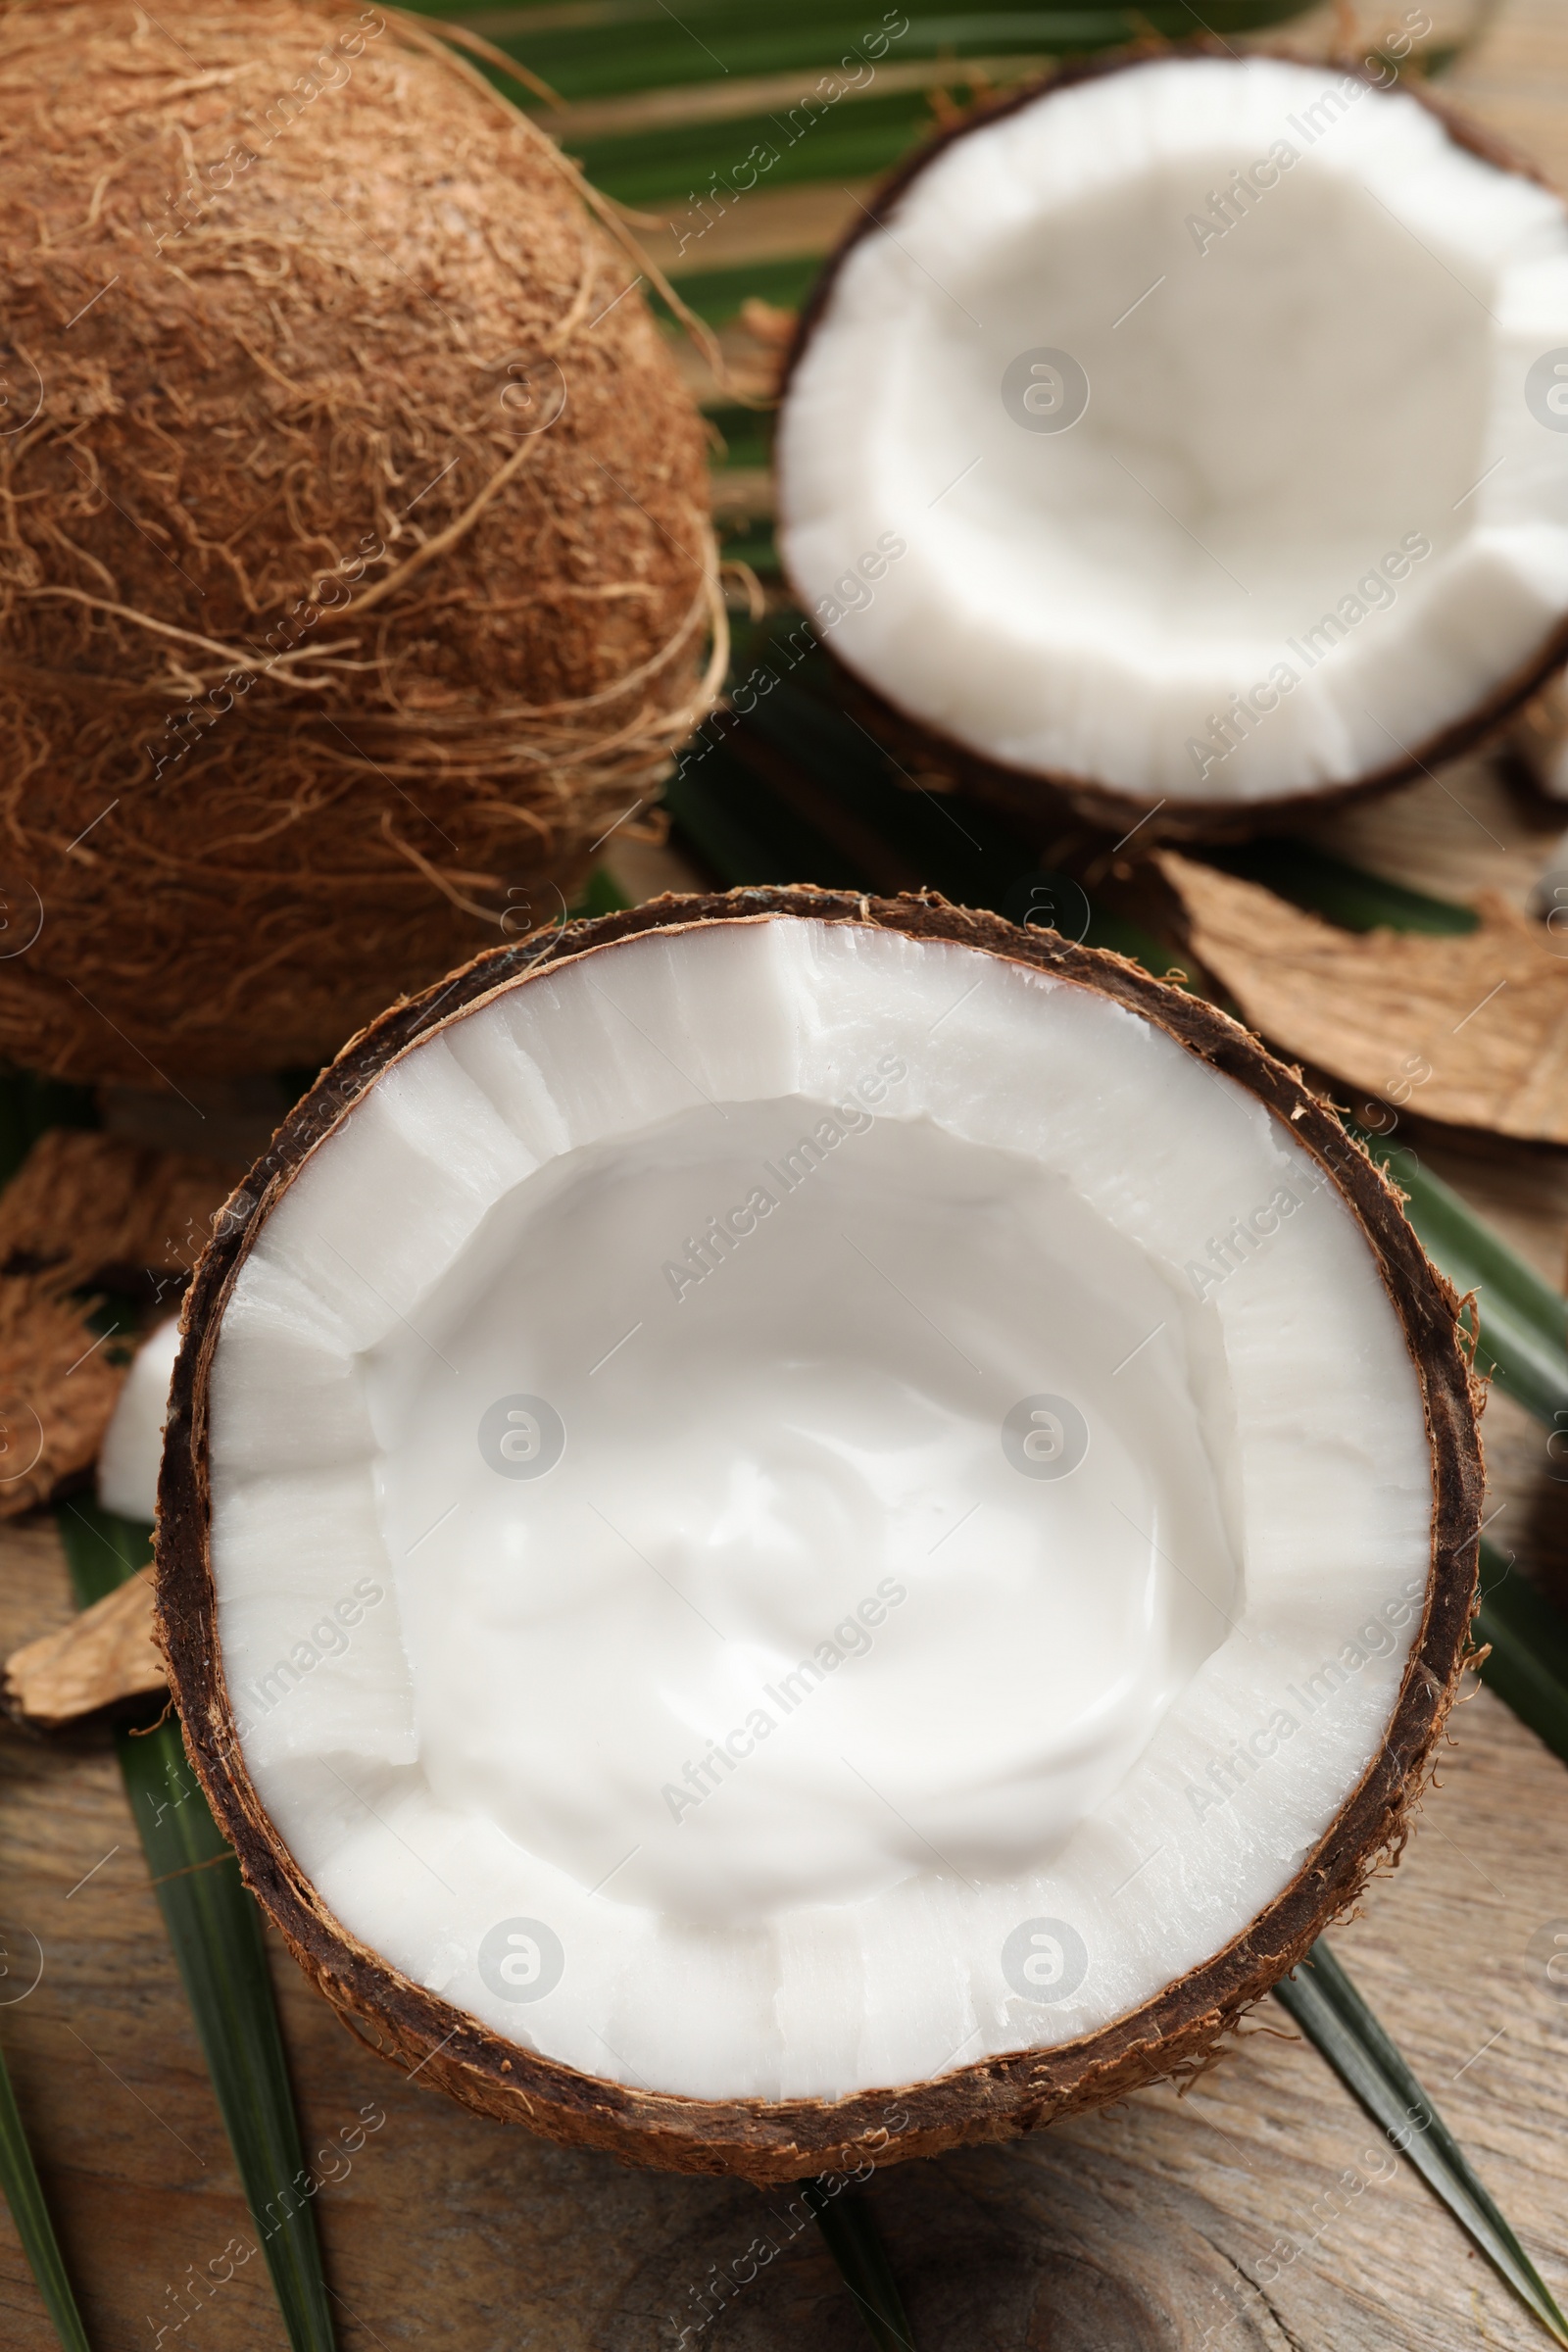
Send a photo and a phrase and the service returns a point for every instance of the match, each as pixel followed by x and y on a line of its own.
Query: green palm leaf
pixel 1309 877
pixel 214 1930
pixel 1322 2000
pixel 1528 1667
pixel 780 147
pixel 595 48
pixel 1523 1322
pixel 19 2177
pixel 856 2245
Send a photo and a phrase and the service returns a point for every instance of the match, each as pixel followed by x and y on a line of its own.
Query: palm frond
pixel 24 2194
pixel 613 46
pixel 1522 1321
pixel 215 1932
pixel 1528 1667
pixel 854 2242
pixel 1321 1999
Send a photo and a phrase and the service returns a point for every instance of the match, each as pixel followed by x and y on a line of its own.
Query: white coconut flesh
pixel 129 1458
pixel 923 1634
pixel 1316 507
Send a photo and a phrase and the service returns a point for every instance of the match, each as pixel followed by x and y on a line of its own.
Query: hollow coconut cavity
pixel 799 1500
pixel 1194 432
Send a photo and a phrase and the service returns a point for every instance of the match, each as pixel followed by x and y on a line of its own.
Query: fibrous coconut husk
pixel 998 2098
pixel 356 576
pixel 85 1210
pixel 104 1655
pixel 58 1387
pixel 1472 1030
pixel 85 1215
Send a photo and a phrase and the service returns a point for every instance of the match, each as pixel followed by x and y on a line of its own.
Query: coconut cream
pixel 781 1609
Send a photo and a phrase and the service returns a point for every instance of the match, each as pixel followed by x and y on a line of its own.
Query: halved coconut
pixel 805 1522
pixel 1192 434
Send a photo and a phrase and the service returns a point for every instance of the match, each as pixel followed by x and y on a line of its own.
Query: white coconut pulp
pixel 128 1460
pixel 792 1508
pixel 1317 505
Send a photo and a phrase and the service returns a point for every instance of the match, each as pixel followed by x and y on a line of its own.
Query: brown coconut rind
pixel 1038 796
pixel 1040 801
pixel 359 577
pixel 999 2098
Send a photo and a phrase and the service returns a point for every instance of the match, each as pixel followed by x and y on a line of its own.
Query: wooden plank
pixel 1256 2212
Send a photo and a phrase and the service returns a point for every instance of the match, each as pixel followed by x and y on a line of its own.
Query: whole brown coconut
pixel 357 575
pixel 1000 2097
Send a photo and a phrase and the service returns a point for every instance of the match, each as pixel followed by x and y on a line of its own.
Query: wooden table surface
pixel 1259 2211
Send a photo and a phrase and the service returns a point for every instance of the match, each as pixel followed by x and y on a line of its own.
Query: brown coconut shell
pixel 1000 2097
pixel 357 575
pixel 1039 796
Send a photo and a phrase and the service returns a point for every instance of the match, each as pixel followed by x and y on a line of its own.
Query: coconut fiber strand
pixel 355 574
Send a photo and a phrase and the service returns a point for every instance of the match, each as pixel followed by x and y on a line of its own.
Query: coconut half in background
pixel 1192 435
pixel 133 1442
pixel 807 1522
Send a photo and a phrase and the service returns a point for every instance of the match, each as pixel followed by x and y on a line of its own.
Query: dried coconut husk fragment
pixel 1471 1030
pixel 58 1387
pixel 359 579
pixel 999 2098
pixel 103 1657
pixel 85 1215
pixel 86 1208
